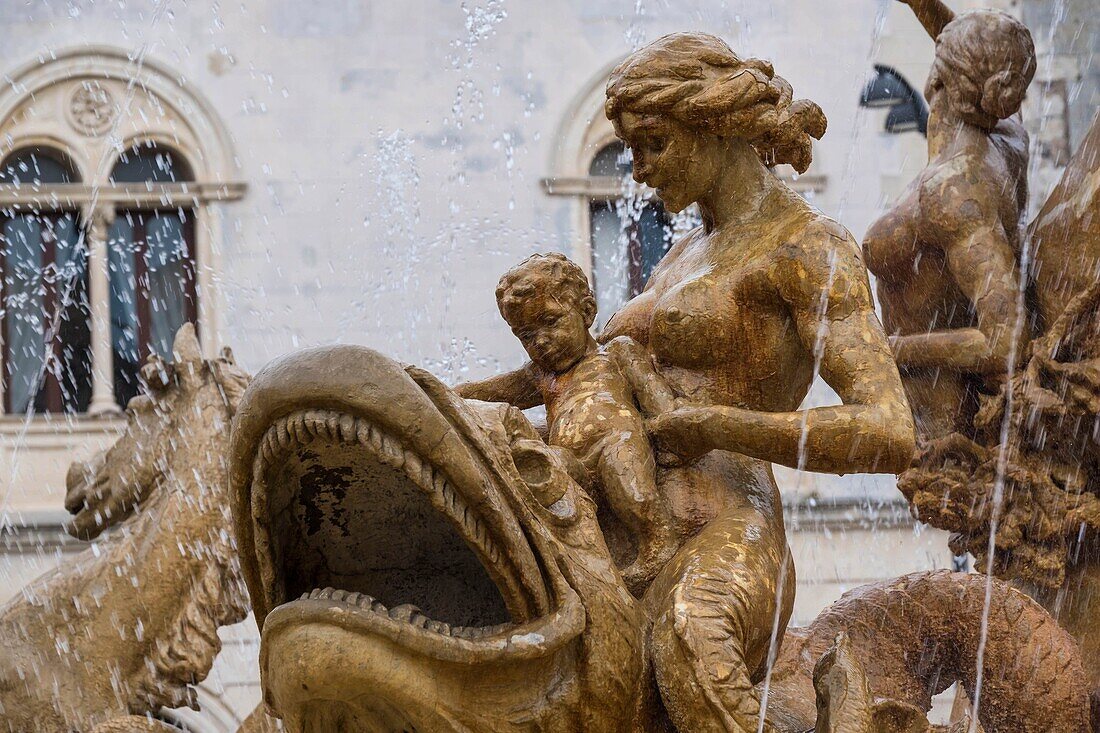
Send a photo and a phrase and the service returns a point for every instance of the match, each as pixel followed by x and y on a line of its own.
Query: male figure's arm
pixel 932 14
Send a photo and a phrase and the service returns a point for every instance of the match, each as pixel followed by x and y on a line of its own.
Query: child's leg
pixel 628 476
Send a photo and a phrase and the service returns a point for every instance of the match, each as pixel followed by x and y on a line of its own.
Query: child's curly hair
pixel 697 79
pixel 552 272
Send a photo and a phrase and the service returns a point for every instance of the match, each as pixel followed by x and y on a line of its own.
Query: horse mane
pixel 218 595
pixel 218 598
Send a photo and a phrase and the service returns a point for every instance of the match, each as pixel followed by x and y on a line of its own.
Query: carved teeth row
pixel 303 427
pixel 406 612
pixel 362 600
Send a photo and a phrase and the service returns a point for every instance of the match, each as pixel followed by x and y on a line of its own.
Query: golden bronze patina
pixel 946 256
pixel 417 560
pixel 736 316
pixel 420 558
pixel 590 394
pixel 130 624
pixel 422 562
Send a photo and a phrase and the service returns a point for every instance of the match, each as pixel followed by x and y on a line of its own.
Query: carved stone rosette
pixel 91 108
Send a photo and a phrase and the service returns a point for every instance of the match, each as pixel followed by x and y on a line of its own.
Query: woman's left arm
pixel 824 284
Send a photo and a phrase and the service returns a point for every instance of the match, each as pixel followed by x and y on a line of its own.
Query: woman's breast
pixel 729 340
pixel 694 325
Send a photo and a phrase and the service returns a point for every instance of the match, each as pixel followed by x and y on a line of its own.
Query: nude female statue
pixel 736 317
pixel 947 254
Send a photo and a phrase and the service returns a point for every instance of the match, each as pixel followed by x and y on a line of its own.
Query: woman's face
pixel 679 162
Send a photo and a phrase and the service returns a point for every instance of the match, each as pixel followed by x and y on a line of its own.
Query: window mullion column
pixel 207 235
pixel 97 220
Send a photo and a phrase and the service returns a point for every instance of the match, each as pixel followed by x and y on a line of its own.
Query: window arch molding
pixel 136 142
pixel 584 130
pixel 206 141
pixel 53 144
pixel 93 104
pixel 620 229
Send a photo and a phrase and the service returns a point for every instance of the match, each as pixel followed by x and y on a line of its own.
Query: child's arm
pixel 654 395
pixel 519 388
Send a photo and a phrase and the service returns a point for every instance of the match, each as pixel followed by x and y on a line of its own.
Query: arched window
pixel 110 245
pixel 150 163
pixel 630 231
pixel 151 260
pixel 45 316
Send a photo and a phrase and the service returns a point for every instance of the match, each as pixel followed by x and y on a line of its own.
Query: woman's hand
pixel 683 434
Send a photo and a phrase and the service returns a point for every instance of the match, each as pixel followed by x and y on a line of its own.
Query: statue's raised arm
pixel 932 14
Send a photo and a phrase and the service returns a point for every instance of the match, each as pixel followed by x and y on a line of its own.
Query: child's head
pixel 550 307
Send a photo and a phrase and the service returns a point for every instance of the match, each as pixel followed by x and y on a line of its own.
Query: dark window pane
pixel 122 252
pixel 627 244
pixel 73 343
pixel 47 360
pixel 612 160
pixel 35 166
pixel 152 164
pixel 609 260
pixel 152 273
pixel 171 278
pixel 24 312
pixel 655 234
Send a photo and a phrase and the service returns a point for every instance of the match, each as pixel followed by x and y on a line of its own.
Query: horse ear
pixel 186 346
pixel 187 355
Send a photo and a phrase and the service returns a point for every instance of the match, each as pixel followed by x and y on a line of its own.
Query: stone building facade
pixel 363 171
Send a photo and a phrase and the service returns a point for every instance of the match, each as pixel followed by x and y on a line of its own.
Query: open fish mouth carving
pixel 383 520
pixel 348 503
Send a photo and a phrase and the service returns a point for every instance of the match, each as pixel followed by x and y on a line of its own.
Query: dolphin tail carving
pixel 918 634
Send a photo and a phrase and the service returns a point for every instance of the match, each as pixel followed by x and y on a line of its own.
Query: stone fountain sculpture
pixel 420 562
pixel 418 558
pixel 996 328
pixel 127 626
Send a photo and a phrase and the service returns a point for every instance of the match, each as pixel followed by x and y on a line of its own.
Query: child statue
pixel 589 392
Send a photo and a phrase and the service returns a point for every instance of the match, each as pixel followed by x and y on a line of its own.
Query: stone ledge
pixel 810 514
pixel 36 532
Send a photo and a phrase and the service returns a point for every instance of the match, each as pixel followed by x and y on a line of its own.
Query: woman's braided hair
pixel 697 79
pixel 989 58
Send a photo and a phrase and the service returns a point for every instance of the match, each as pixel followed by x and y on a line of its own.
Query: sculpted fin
pixel 1065 236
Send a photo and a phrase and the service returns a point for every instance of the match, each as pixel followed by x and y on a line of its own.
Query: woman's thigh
pixel 716 605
